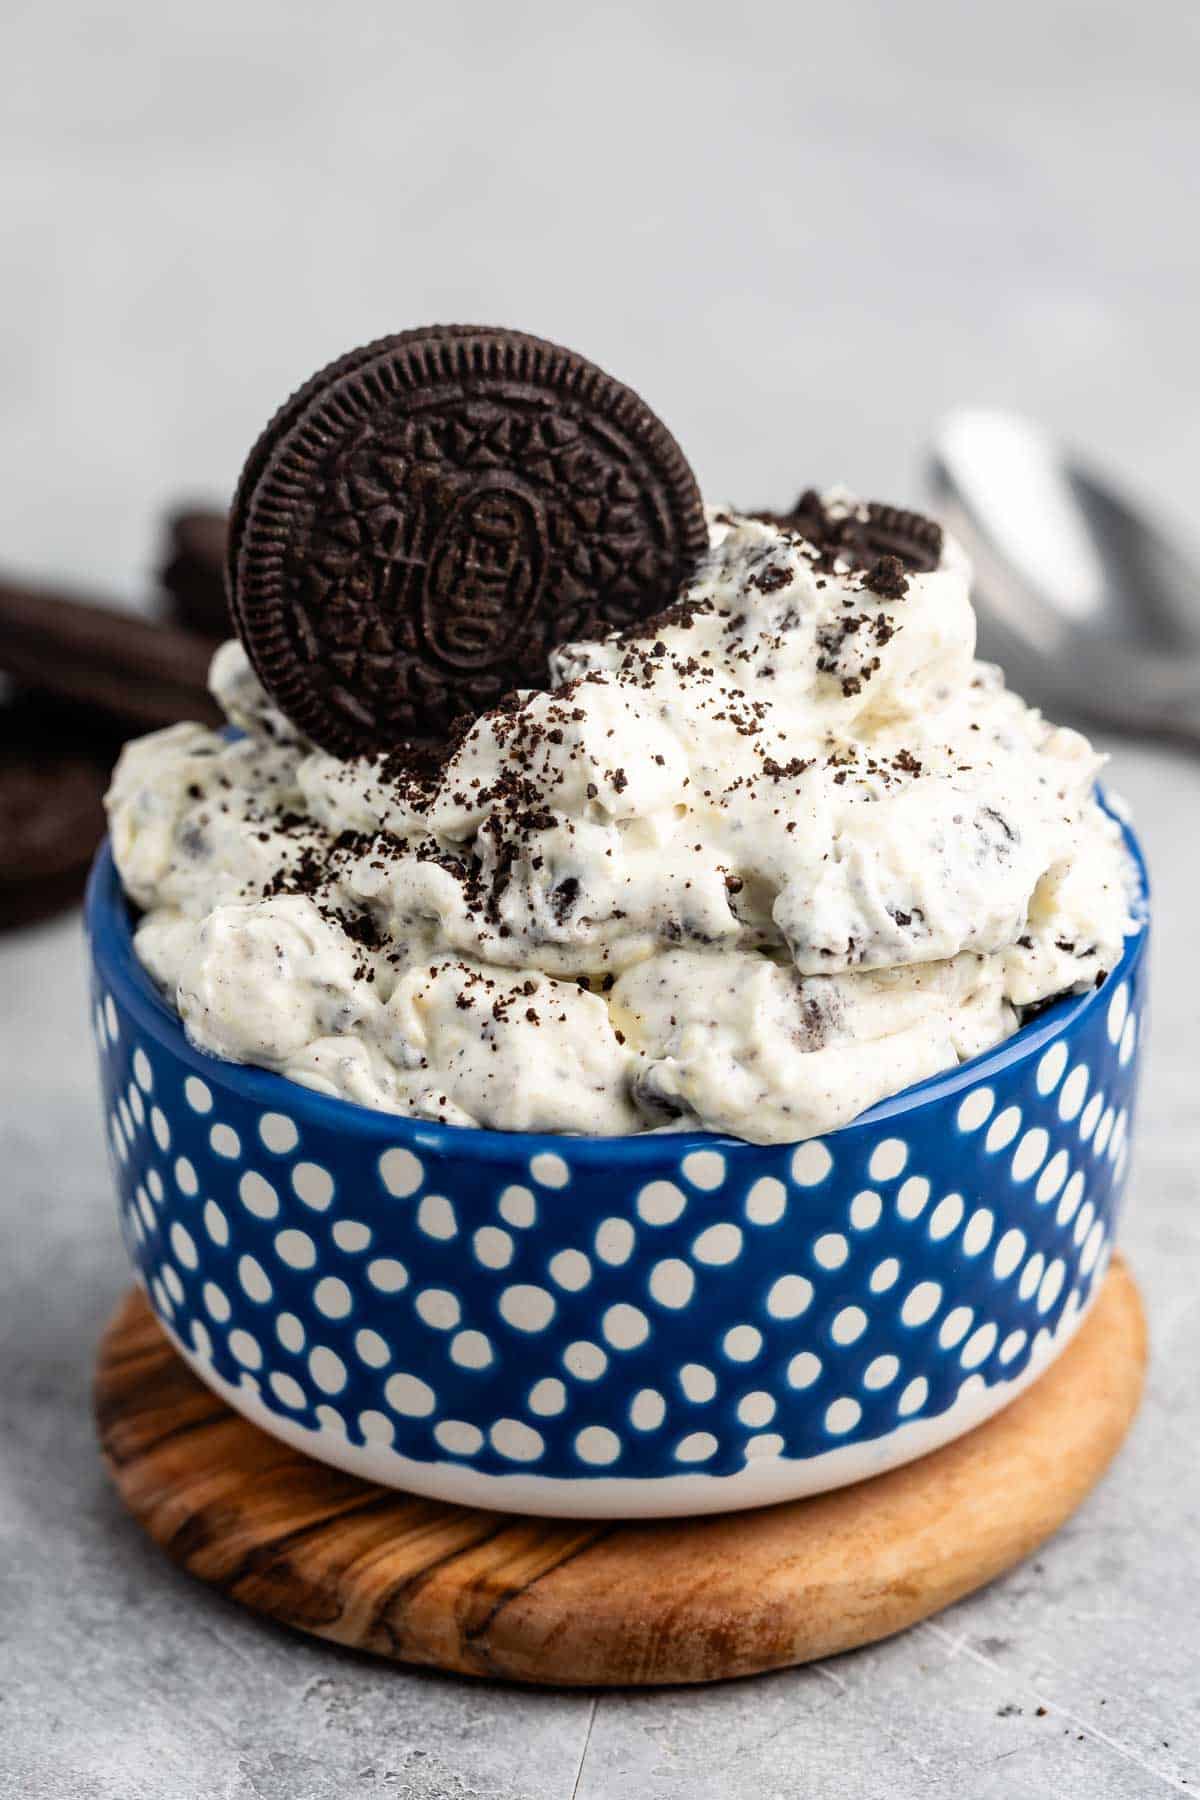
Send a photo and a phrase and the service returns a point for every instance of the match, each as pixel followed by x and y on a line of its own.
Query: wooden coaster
pixel 587 1603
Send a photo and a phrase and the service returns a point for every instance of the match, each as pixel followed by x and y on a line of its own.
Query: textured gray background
pixel 802 233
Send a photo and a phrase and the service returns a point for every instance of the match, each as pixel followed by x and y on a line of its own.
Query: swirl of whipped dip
pixel 751 866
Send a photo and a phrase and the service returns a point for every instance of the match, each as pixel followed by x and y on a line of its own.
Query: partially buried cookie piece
pixel 888 542
pixel 426 519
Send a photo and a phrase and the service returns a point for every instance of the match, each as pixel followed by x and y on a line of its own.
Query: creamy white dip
pixel 779 854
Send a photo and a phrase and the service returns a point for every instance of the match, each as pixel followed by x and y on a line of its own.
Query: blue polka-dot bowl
pixel 616 1327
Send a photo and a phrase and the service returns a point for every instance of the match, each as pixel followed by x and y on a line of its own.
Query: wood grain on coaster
pixel 584 1603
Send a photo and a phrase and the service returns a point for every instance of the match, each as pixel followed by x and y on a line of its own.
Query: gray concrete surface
pixel 801 232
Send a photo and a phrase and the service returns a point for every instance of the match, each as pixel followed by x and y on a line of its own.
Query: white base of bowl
pixel 763 1482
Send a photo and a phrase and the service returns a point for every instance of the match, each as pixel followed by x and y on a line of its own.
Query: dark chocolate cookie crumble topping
pixel 887 546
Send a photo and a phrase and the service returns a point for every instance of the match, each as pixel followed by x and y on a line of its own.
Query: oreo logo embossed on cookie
pixel 425 520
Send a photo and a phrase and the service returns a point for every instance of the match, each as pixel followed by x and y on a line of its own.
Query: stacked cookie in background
pixel 77 677
pixel 192 572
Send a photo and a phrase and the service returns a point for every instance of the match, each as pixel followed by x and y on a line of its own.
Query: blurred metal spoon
pixel 1087 604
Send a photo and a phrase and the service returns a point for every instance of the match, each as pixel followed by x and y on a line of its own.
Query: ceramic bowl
pixel 674 1323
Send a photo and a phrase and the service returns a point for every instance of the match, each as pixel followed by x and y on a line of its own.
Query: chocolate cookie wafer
pixel 53 773
pixel 132 671
pixel 425 520
pixel 192 573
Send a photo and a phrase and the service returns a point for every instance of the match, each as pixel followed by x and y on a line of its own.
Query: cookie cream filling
pixel 751 866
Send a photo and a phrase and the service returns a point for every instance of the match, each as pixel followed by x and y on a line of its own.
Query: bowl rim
pixel 108 923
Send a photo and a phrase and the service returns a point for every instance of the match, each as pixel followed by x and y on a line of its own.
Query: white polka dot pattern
pixel 290 1332
pixel 706 1308
pixel 698 1383
pixel 719 1244
pixel 1074 1088
pixel 672 1282
pixel 401 1172
pixel 278 1133
pixel 586 1361
pixel 696 1447
pixel 921 1302
pixel 742 1343
pixel 790 1295
pixel 946 1216
pixel 257 1195
pixel 1050 1069
pixel 327 1369
pixel 1003 1129
pixel 766 1202
pixel 660 1203
pixel 704 1169
pixel 811 1164
pixel 351 1235
pixel 842 1416
pixel 296 1249
pixel 597 1445
pixel 373 1349
pixel 881 1371
pixel 804 1369
pixel 648 1410
pixel 976 1109
pixel 387 1275
pixel 570 1269
pixel 625 1326
pixel 517 1441
pixel 436 1217
pixel 312 1184
pixel 518 1208
pixel 614 1242
pixel 225 1142
pixel 549 1169
pixel 526 1307
pixel 547 1397
pixel 288 1389
pixel 256 1283
pixel 756 1409
pixel 410 1395
pixel 978 1234
pixel 493 1247
pixel 458 1436
pixel 884 1275
pixel 912 1197
pixel 440 1309
pixel 866 1209
pixel 831 1250
pixel 888 1160
pixel 848 1325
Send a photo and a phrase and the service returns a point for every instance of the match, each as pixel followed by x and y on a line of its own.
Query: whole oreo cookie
pixel 423 522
